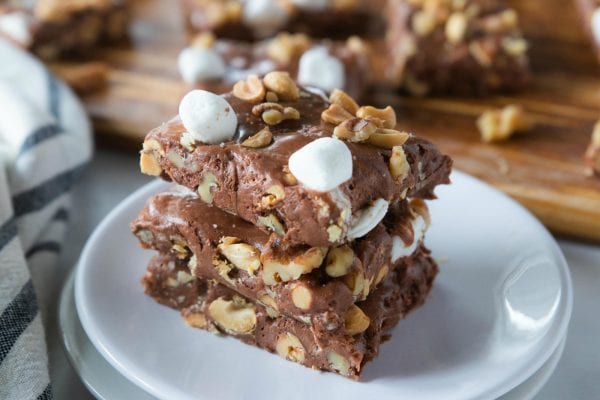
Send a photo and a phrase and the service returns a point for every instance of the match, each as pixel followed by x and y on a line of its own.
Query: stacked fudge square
pixel 296 221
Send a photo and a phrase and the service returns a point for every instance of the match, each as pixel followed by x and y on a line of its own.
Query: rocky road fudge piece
pixel 316 285
pixel 216 65
pixel 292 162
pixel 258 19
pixel 590 15
pixel 455 47
pixel 218 309
pixel 53 28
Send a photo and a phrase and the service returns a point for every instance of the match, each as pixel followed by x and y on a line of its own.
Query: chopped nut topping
pixel 209 181
pixel 286 47
pixel 187 141
pixel 271 97
pixel 274 113
pixel 223 268
pixel 336 114
pixel 356 321
pixel 498 125
pixel 195 320
pixel 381 274
pixel 399 167
pixel 251 89
pixel 241 255
pixel 149 164
pixel 270 305
pixel 272 117
pixel 260 139
pixel 235 316
pixel 355 130
pixel 289 347
pixel 339 261
pixel 343 100
pixel 423 22
pixel 516 47
pixel 204 40
pixel 386 115
pixel 282 85
pixel 334 232
pixel 388 138
pixel 288 177
pixel 357 283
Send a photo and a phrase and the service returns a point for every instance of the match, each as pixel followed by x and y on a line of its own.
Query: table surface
pixel 113 176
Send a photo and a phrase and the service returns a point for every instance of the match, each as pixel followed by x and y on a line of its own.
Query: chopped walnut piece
pixel 209 181
pixel 241 255
pixel 284 270
pixel 423 22
pixel 282 85
pixel 273 195
pixel 339 261
pixel 335 114
pixel 387 116
pixel 388 138
pixel 356 321
pixel 456 27
pixel 302 297
pixel 355 130
pixel 344 100
pixel 260 139
pixel 338 363
pixel 235 316
pixel 289 347
pixel 272 223
pixel 592 155
pixel 251 89
pixel 286 47
pixel 498 125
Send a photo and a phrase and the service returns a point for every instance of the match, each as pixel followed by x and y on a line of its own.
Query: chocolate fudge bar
pixel 458 47
pixel 258 19
pixel 308 168
pixel 313 284
pixel 53 28
pixel 216 65
pixel 217 309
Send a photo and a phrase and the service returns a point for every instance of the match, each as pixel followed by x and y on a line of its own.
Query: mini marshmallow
pixel 312 4
pixel 197 65
pixel 401 249
pixel 16 26
pixel 322 165
pixel 207 117
pixel 321 69
pixel 368 219
pixel 264 16
pixel 596 24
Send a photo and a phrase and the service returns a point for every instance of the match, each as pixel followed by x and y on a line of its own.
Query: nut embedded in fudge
pixel 54 28
pixel 218 309
pixel 249 173
pixel 216 65
pixel 312 284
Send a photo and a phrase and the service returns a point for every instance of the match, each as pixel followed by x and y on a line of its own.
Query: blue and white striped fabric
pixel 45 143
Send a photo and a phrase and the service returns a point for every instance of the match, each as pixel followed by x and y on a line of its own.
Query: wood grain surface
pixel 542 169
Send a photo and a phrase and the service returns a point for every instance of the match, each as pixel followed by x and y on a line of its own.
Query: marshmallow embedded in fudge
pixel 368 219
pixel 207 117
pixel 320 69
pixel 264 16
pixel 322 165
pixel 199 64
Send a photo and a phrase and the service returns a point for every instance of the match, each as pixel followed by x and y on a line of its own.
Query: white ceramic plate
pixel 498 311
pixel 106 383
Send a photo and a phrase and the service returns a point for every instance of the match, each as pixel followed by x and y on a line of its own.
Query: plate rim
pixel 513 380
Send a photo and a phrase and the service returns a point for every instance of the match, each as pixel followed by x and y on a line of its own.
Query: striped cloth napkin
pixel 45 143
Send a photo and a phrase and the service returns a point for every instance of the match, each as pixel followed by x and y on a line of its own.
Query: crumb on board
pixel 500 124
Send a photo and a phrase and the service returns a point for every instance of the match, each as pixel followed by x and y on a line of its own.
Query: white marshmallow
pixel 197 65
pixel 596 24
pixel 207 117
pixel 264 16
pixel 401 249
pixel 16 26
pixel 321 69
pixel 322 165
pixel 368 219
pixel 312 4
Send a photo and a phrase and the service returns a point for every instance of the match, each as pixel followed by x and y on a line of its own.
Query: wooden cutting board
pixel 542 169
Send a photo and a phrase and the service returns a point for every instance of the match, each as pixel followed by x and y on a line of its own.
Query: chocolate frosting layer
pixel 242 175
pixel 402 291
